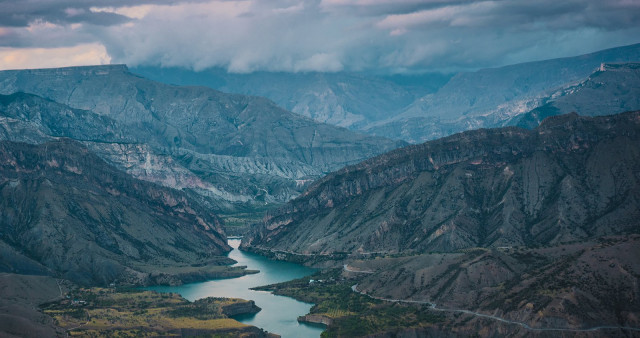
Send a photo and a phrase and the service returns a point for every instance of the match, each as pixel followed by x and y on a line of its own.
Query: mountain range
pixel 414 108
pixel 570 179
pixel 612 89
pixel 231 150
pixel 493 97
pixel 351 100
pixel 505 231
pixel 65 212
pixel 107 176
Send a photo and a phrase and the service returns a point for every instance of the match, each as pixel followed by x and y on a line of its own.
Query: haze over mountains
pixel 441 168
pixel 227 148
pixel 492 97
pixel 612 89
pixel 412 108
pixel 350 100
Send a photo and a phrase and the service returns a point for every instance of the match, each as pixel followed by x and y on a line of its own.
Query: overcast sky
pixel 314 35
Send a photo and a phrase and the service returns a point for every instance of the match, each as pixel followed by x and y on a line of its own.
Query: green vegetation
pixel 350 313
pixel 383 318
pixel 135 313
pixel 203 309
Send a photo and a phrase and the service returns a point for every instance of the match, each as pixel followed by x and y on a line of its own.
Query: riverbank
pixel 576 288
pixel 279 313
pixel 347 313
pixel 126 312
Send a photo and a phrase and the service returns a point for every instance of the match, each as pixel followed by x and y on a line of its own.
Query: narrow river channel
pixel 279 314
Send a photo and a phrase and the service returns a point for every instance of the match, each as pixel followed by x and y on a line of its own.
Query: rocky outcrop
pixel 316 319
pixel 240 307
pixel 572 178
pixel 227 148
pixel 66 212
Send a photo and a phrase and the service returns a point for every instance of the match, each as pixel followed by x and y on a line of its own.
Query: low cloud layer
pixel 321 35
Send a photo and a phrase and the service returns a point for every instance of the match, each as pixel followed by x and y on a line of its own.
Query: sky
pixel 383 36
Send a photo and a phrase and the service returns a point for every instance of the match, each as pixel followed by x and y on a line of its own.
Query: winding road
pixel 500 319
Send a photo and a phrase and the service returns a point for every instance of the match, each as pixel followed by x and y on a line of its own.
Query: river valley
pixel 279 314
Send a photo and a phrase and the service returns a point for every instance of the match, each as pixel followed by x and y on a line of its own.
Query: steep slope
pixel 32 119
pixel 572 178
pixel 350 100
pixel 67 213
pixel 245 149
pixel 20 296
pixel 574 286
pixel 492 97
pixel 612 89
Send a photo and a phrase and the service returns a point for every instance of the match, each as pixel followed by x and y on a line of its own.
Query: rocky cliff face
pixel 493 97
pixel 612 89
pixel 572 178
pixel 240 307
pixel 67 213
pixel 228 148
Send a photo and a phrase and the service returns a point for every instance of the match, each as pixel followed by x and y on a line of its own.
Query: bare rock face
pixel 65 212
pixel 571 179
pixel 240 307
pixel 227 148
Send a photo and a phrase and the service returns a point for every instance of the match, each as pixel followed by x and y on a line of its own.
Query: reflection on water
pixel 279 314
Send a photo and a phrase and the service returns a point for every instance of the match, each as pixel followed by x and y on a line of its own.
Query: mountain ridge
pixel 226 141
pixel 479 188
pixel 494 96
pixel 612 89
pixel 69 214
pixel 344 99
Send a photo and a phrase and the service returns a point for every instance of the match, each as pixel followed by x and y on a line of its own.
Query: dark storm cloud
pixel 18 13
pixel 489 33
pixel 326 35
pixel 21 13
pixel 516 15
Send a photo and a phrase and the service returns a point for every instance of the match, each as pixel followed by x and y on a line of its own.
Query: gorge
pixel 113 184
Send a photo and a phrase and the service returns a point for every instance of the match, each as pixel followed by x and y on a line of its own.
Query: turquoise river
pixel 279 314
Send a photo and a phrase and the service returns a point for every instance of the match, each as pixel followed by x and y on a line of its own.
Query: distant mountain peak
pixel 496 96
pixel 229 148
pixel 613 88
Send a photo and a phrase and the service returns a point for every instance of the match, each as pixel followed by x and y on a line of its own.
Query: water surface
pixel 279 314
